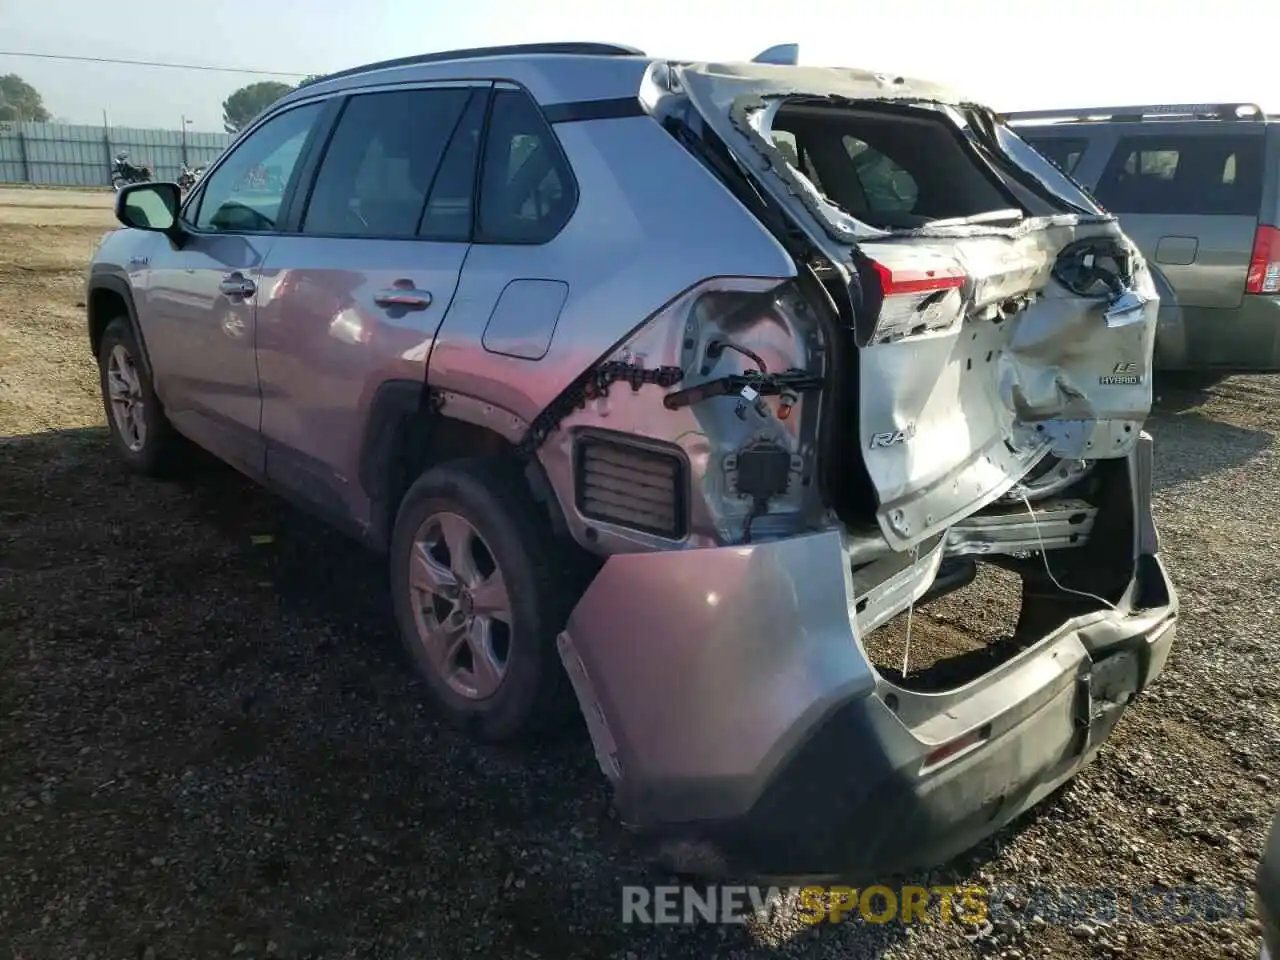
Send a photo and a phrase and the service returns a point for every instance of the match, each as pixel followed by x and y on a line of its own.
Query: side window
pixel 527 192
pixel 1065 153
pixel 449 208
pixel 887 186
pixel 1205 175
pixel 382 161
pixel 244 194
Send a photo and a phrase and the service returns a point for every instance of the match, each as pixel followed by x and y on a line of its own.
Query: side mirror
pixel 150 206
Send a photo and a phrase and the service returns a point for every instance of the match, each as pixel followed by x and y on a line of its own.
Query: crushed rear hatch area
pixel 996 316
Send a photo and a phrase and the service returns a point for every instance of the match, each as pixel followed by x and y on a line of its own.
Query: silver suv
pixel 667 388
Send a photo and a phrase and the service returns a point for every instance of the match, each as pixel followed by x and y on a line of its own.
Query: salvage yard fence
pixel 55 154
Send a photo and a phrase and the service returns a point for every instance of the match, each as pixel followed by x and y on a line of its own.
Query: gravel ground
pixel 212 745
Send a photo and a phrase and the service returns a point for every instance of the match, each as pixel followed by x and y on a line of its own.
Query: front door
pixel 201 300
pixel 354 296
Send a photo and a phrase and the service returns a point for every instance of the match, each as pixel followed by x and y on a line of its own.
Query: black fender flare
pixel 401 403
pixel 110 278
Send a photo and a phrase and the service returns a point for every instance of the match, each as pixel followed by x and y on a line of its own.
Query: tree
pixel 246 103
pixel 311 78
pixel 19 100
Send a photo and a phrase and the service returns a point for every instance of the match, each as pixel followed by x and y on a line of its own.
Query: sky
pixel 1016 54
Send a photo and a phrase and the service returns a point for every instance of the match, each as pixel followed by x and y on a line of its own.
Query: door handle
pixel 402 293
pixel 237 285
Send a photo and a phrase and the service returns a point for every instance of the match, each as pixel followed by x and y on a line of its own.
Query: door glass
pixel 527 192
pixel 1190 175
pixel 382 161
pixel 244 194
pixel 449 208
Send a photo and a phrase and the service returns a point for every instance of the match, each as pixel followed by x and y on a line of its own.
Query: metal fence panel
pixel 61 155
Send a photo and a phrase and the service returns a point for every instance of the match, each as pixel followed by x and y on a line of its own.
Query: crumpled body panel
pixel 1010 368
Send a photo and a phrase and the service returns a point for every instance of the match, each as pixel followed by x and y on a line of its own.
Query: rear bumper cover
pixel 742 726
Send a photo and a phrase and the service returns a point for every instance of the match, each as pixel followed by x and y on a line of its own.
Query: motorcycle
pixel 123 172
pixel 188 176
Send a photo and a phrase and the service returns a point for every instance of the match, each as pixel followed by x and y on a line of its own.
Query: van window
pixel 1205 175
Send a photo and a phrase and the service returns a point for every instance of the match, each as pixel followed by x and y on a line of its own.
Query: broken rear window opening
pixel 886 167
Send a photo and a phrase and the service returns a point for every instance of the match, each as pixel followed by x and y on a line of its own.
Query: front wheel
pixel 139 428
pixel 479 599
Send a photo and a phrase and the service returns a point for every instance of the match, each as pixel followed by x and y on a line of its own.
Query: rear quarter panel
pixel 650 223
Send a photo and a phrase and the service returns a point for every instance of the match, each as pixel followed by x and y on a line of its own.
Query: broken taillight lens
pixel 1264 264
pixel 909 298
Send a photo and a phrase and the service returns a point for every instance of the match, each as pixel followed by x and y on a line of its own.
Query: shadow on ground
pixel 210 740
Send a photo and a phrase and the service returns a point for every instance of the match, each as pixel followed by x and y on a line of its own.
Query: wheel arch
pixel 408 429
pixel 110 296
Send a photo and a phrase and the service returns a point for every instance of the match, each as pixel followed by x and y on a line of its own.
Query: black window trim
pixel 295 215
pixel 321 125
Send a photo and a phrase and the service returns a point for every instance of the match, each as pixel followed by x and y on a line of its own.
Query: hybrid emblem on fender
pixel 1122 375
pixel 893 437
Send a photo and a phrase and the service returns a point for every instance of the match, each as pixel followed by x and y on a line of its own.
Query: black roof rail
pixel 570 48
pixel 1154 111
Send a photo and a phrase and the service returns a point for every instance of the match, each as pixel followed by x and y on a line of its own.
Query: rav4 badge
pixel 892 437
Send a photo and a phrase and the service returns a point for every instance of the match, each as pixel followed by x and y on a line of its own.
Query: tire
pixel 532 694
pixel 155 450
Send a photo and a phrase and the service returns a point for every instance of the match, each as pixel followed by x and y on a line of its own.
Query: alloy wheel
pixel 461 605
pixel 124 390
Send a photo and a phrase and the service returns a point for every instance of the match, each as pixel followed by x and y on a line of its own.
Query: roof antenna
pixel 783 55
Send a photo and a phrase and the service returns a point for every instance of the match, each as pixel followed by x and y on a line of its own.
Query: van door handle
pixel 402 293
pixel 237 285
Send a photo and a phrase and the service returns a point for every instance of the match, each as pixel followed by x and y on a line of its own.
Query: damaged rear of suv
pixel 954 381
pixel 718 386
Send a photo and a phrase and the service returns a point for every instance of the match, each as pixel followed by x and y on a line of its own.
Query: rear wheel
pixel 479 600
pixel 139 428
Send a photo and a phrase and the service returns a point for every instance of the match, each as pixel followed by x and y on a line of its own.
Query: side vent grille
pixel 632 486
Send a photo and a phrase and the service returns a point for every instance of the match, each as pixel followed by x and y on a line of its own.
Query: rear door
pixel 353 295
pixel 1190 200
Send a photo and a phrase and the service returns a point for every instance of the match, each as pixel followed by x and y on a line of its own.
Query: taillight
pixel 909 296
pixel 1264 264
pixel 899 282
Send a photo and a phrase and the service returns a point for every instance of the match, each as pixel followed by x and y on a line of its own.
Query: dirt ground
pixel 213 746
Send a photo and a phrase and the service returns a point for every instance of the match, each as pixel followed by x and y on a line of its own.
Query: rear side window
pixel 1208 175
pixel 450 208
pixel 1065 153
pixel 382 162
pixel 527 192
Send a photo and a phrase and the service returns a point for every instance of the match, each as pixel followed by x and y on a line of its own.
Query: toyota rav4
pixel 668 389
